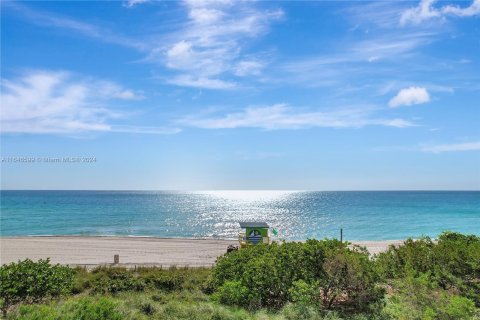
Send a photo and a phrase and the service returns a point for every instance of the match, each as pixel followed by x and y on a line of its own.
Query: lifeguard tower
pixel 253 233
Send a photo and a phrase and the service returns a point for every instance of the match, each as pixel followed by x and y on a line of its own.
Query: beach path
pixel 132 251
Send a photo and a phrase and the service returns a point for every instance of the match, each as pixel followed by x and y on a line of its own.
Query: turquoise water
pixel 296 215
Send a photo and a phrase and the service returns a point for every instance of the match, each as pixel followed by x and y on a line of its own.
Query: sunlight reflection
pixel 248 195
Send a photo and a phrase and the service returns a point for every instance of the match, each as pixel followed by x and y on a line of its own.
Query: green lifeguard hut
pixel 253 233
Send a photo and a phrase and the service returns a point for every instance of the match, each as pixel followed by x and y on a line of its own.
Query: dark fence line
pixel 136 266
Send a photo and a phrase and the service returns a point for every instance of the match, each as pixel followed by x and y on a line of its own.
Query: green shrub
pixel 458 308
pixel 303 293
pixel 114 280
pixel 418 297
pixel 165 281
pixel 458 264
pixel 31 282
pixel 81 280
pixel 36 312
pixel 350 281
pixel 302 312
pixel 174 279
pixel 91 308
pixel 460 254
pixel 344 277
pixel 232 293
pixel 85 308
pixel 417 255
pixel 453 262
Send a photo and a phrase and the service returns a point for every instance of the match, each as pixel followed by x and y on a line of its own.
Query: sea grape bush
pixel 418 297
pixel 452 263
pixel 232 293
pixel 106 280
pixel 335 276
pixel 115 280
pixel 32 282
pixel 421 279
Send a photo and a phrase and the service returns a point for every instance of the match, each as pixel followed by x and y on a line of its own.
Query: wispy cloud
pixel 378 14
pixel 249 67
pixel 186 80
pixel 455 147
pixel 204 51
pixel 210 45
pixel 61 102
pixel 49 19
pixel 144 129
pixel 377 56
pixel 395 41
pixel 281 116
pixel 410 96
pixel 472 10
pixel 132 3
pixel 389 47
pixel 425 10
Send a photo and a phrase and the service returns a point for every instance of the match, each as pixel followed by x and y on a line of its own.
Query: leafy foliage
pixel 114 280
pixel 31 282
pixel 232 293
pixel 418 297
pixel 453 262
pixel 85 308
pixel 89 308
pixel 423 279
pixel 336 276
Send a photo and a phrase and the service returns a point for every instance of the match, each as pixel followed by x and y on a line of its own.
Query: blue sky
pixel 321 95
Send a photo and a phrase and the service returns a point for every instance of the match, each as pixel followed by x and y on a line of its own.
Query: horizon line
pixel 279 190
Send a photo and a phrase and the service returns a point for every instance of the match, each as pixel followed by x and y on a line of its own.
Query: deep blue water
pixel 296 215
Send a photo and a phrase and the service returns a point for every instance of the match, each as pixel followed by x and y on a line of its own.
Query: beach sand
pixel 132 251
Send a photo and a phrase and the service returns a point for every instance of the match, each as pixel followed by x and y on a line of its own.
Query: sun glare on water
pixel 249 195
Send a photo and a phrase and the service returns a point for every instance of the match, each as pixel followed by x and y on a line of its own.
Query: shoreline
pixel 91 251
pixel 159 237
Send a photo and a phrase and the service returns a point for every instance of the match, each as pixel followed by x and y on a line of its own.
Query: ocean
pixel 296 215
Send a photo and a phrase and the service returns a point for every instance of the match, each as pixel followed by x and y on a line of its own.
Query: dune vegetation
pixel 316 279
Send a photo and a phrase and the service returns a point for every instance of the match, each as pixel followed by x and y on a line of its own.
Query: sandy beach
pixel 132 251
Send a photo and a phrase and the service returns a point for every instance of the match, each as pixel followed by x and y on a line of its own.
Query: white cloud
pixel 144 129
pixel 426 11
pixel 132 3
pixel 422 12
pixel 281 116
pixel 248 68
pixel 110 90
pixel 201 82
pixel 472 10
pixel 467 146
pixel 389 47
pixel 384 53
pixel 48 19
pixel 410 96
pixel 209 47
pixel 205 15
pixel 203 52
pixel 60 102
pixel 364 15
